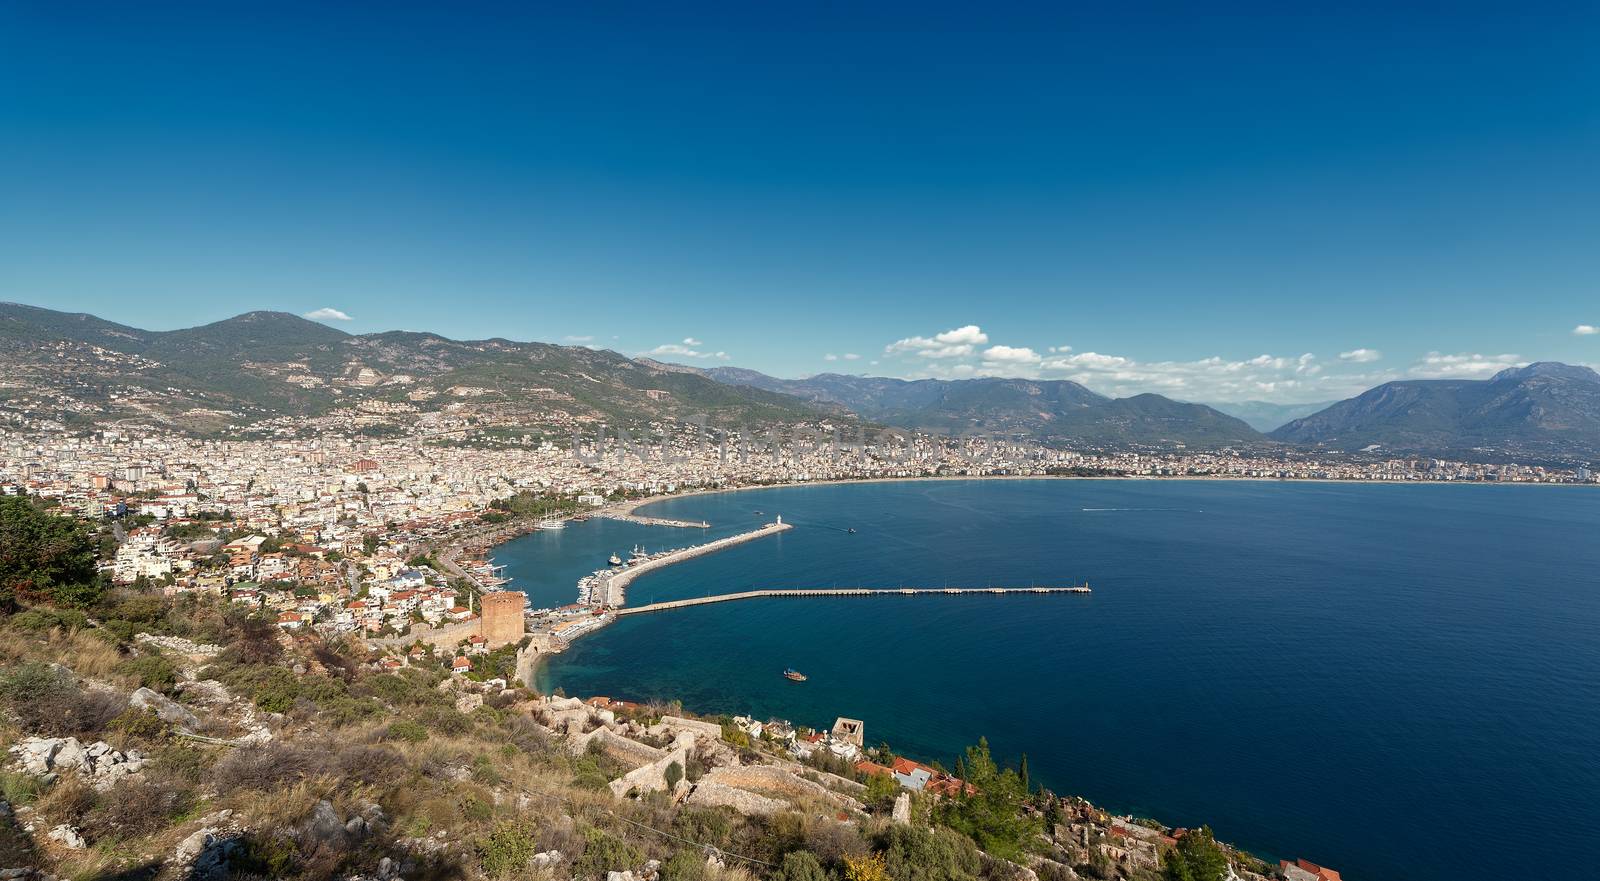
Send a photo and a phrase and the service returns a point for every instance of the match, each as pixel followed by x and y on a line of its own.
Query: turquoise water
pixel 1398 681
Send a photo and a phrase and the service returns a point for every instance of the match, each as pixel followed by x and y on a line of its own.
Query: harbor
pixel 602 594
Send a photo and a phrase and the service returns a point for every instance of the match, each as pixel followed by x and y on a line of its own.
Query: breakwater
pixel 611 589
pixel 629 517
pixel 846 592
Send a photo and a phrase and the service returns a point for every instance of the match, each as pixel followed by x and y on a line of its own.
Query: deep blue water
pixel 1397 681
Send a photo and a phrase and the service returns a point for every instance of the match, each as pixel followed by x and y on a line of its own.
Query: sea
pixel 1397 681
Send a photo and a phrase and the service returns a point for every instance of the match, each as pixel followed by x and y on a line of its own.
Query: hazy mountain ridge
pixel 1057 410
pixel 1546 408
pixel 1265 416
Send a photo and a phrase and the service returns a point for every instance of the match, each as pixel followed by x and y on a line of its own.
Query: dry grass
pixel 282 806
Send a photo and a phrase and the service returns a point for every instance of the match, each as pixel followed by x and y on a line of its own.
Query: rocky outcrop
pixel 98 762
pixel 178 644
pixel 167 709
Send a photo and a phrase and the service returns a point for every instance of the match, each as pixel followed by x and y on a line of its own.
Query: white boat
pixel 552 523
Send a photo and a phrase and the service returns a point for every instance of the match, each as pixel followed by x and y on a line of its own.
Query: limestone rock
pixel 325 825
pixel 190 848
pixel 68 837
pixel 169 710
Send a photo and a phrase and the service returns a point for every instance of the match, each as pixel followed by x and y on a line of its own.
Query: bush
pixel 713 826
pixel 151 671
pixel 278 691
pixel 406 731
pixel 47 701
pixel 673 774
pixel 604 852
pixel 801 865
pixel 869 867
pixel 882 790
pixel 913 854
pixel 137 808
pixel 42 620
pixel 369 765
pixel 142 725
pixel 685 865
pixel 263 769
pixel 506 851
pixel 446 721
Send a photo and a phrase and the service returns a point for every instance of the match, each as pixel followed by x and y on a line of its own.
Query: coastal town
pixel 389 538
pixel 389 541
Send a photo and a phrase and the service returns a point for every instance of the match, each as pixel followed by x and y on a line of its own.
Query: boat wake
pixel 1168 510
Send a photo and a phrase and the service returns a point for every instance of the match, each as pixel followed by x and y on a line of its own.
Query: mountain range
pixel 1054 410
pixel 262 366
pixel 83 370
pixel 1543 409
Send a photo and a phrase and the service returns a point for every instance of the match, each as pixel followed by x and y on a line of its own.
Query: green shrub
pixel 407 731
pixel 277 690
pixel 713 826
pixel 604 852
pixel 448 722
pixel 916 854
pixel 142 725
pixel 685 865
pixel 506 851
pixel 673 774
pixel 801 865
pixel 42 620
pixel 152 671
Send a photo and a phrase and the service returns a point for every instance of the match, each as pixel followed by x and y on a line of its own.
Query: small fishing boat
pixel 615 560
pixel 794 675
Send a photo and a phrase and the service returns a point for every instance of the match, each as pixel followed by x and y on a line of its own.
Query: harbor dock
pixel 845 592
pixel 609 588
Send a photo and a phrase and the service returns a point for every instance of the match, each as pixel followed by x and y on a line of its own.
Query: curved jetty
pixel 609 589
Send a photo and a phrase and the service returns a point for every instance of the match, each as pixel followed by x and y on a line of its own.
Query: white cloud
pixel 850 356
pixel 1059 350
pixel 572 338
pixel 691 341
pixel 682 351
pixel 1263 377
pixel 957 343
pixel 327 313
pixel 1586 330
pixel 830 357
pixel 1361 356
pixel 1011 355
pixel 1464 366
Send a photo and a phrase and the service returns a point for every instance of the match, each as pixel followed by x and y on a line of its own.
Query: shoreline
pixel 630 507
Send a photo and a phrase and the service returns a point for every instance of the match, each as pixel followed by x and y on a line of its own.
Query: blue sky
pixel 1214 202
